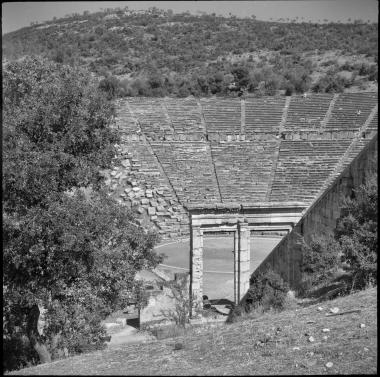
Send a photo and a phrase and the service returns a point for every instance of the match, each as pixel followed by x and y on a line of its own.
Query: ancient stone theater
pixel 192 166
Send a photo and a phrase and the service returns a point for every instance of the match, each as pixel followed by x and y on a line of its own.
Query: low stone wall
pixel 320 218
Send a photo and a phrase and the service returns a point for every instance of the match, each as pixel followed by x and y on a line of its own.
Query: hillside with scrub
pixel 159 53
pixel 297 341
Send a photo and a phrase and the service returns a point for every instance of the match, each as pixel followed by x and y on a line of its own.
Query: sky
pixel 16 15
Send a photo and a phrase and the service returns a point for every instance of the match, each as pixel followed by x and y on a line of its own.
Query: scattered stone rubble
pixel 154 202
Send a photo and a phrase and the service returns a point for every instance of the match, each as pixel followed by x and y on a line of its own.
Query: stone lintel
pixel 283 219
pixel 259 212
pixel 196 207
pixel 270 227
pixel 269 205
pixel 221 228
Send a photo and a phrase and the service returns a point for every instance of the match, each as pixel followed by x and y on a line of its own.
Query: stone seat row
pixel 243 169
pixel 171 116
pixel 373 124
pixel 351 110
pixel 303 167
pixel 189 169
pixel 200 172
pixel 304 113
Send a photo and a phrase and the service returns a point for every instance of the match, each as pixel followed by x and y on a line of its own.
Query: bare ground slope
pixel 276 343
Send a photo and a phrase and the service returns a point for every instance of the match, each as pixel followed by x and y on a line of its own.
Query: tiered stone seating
pixel 222 115
pixel 140 183
pixel 124 121
pixel 243 169
pixel 303 167
pixel 190 170
pixel 307 113
pixel 151 116
pixel 351 111
pixel 263 115
pixel 160 178
pixel 185 115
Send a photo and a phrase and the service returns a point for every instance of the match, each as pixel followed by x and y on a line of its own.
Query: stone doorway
pixel 239 220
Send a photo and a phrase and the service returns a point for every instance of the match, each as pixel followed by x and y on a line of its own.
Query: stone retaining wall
pixel 321 217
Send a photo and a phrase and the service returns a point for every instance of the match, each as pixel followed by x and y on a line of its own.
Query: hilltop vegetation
pixel 158 53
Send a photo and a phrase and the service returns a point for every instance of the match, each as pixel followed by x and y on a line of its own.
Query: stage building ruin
pixel 239 219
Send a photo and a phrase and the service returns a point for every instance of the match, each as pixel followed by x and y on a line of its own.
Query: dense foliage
pixel 320 262
pixel 158 53
pixel 353 248
pixel 70 252
pixel 267 291
pixel 356 233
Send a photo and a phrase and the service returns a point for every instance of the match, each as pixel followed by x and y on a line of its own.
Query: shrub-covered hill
pixel 158 53
pixel 270 344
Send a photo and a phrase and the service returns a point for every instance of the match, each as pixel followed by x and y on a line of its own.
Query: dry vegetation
pixel 257 345
pixel 158 53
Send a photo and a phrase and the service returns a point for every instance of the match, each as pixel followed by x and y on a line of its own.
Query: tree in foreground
pixel 70 252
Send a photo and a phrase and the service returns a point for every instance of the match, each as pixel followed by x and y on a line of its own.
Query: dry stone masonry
pixel 138 183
